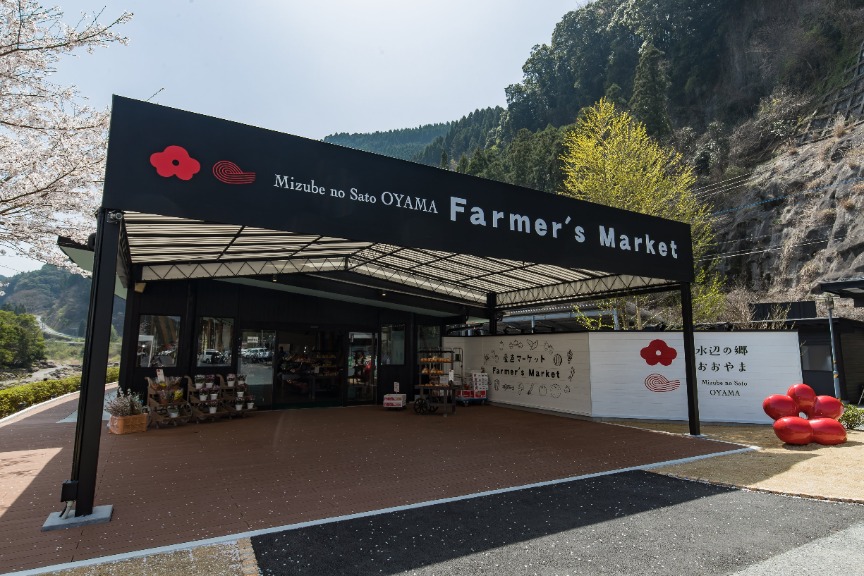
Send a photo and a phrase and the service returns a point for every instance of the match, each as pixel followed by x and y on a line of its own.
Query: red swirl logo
pixel 230 173
pixel 659 383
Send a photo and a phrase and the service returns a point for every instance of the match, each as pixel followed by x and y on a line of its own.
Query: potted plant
pixel 230 380
pixel 250 401
pixel 174 402
pixel 127 413
pixel 211 405
pixel 240 389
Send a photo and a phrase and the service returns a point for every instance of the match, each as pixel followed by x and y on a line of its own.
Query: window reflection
pixel 157 341
pixel 393 345
pixel 215 336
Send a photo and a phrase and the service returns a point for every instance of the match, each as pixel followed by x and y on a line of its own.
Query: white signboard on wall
pixel 638 374
pixel 546 371
pixel 736 371
pixel 642 374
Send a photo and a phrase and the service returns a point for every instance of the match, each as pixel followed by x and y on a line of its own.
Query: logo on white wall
pixel 658 352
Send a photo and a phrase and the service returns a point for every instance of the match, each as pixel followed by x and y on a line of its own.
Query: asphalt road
pixel 628 523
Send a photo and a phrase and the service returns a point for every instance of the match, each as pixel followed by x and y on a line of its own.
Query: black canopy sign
pixel 174 163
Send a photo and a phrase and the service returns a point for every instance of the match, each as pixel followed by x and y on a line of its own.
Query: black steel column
pixel 491 309
pixel 82 486
pixel 411 354
pixel 690 360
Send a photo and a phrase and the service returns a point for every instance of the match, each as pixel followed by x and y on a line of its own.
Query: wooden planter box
pixel 127 424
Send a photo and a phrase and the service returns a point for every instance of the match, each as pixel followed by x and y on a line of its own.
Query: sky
pixel 310 68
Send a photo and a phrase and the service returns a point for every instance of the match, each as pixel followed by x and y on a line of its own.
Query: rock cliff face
pixel 798 219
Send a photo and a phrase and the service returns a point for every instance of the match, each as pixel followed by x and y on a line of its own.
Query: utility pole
pixel 829 304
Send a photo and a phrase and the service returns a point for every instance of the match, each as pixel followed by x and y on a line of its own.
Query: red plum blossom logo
pixel 175 161
pixel 658 351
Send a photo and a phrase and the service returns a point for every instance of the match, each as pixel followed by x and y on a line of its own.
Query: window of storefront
pixel 428 337
pixel 215 336
pixel 816 357
pixel 393 345
pixel 157 341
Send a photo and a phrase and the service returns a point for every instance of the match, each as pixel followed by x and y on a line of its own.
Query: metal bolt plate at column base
pixel 100 515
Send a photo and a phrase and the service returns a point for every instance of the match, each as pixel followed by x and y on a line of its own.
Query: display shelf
pixel 236 393
pixel 205 392
pixel 167 401
pixel 434 388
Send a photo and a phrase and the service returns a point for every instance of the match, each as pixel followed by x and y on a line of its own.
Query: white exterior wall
pixel 603 374
pixel 619 374
pixel 548 371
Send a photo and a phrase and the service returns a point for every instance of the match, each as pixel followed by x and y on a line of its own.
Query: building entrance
pixel 256 360
pixel 362 382
pixel 309 367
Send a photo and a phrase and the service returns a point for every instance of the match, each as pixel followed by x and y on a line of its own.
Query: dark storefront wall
pixel 288 317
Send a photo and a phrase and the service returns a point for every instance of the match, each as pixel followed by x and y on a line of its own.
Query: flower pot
pixel 199 385
pixel 230 383
pixel 127 424
pixel 173 412
pixel 239 394
pixel 214 396
pixel 250 405
pixel 238 406
pixel 212 409
pixel 204 397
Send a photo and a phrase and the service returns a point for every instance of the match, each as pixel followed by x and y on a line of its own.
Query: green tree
pixel 650 103
pixel 610 159
pixel 21 341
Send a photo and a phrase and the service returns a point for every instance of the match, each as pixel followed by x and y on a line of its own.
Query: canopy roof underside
pixel 170 248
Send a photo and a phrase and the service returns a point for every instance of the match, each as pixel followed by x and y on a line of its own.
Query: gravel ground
pixel 831 472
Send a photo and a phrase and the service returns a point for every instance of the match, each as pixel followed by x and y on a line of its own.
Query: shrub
pixel 124 403
pixel 852 418
pixel 19 397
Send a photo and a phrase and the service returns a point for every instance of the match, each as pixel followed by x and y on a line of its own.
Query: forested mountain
pixel 406 143
pixel 763 98
pixel 694 72
pixel 59 297
pixel 476 130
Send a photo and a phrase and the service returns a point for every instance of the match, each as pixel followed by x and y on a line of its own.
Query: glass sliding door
pixel 309 368
pixel 257 362
pixel 362 365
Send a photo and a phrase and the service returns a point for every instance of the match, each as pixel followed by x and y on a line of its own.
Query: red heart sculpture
pixel 803 395
pixel 828 431
pixel 794 430
pixel 779 405
pixel 826 407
